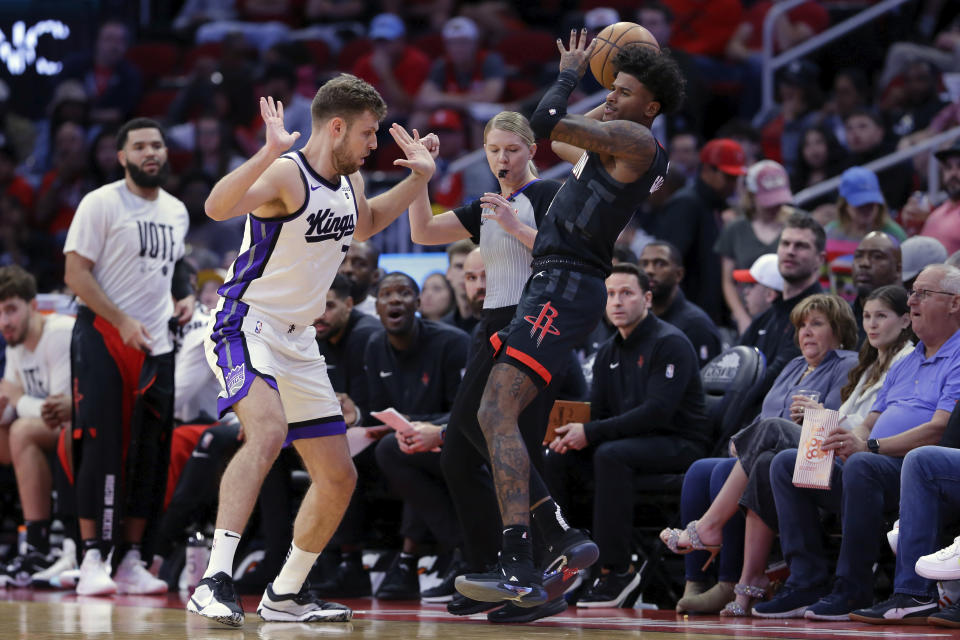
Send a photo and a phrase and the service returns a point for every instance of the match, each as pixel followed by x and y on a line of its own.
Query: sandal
pixel 735 609
pixel 671 538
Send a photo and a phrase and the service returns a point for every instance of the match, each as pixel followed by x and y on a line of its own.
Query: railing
pixel 771 63
pixel 926 146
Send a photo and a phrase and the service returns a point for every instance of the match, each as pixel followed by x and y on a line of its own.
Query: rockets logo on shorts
pixel 236 378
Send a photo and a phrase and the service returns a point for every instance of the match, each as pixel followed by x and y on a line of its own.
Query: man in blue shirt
pixel 911 410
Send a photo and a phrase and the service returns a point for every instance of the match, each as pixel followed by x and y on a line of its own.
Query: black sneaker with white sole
pixel 305 606
pixel 900 608
pixel 515 579
pixel 512 613
pixel 610 589
pixel 20 571
pixel 444 591
pixel 216 598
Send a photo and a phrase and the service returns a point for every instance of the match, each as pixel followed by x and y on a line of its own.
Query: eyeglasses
pixel 921 294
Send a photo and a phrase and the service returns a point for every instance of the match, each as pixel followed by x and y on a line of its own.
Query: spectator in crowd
pixel 760 285
pixel 876 263
pixel 112 84
pixel 214 151
pixel 437 298
pixel 279 80
pixel 17 131
pixel 911 410
pixel 462 315
pixel 743 241
pixel 918 253
pixel 685 155
pixel 867 141
pixel 128 282
pixel 920 101
pixel 851 92
pixel 943 223
pixel 63 186
pixel 414 367
pixel 343 331
pixel 395 68
pixel 194 13
pixel 646 413
pixel 464 76
pixel 704 29
pixel 928 501
pixel 658 19
pixel 361 266
pixel 661 263
pixel 819 157
pixel 36 403
pixel 824 323
pixel 944 54
pixel 69 104
pixel 799 98
pixel 102 159
pixel 861 209
pixel 690 220
pixel 13 185
pixel 800 256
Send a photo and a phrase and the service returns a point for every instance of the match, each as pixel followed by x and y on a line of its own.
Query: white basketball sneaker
pixel 300 607
pixel 132 576
pixel 95 576
pixel 49 578
pixel 216 598
pixel 941 565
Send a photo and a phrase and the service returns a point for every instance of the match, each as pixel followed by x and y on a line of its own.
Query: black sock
pixel 121 552
pixel 352 557
pixel 409 560
pixel 99 545
pixel 38 535
pixel 549 521
pixel 516 541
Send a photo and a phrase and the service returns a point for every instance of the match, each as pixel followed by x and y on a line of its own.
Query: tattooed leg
pixel 507 393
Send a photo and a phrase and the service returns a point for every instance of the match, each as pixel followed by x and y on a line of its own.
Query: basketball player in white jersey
pixel 305 208
pixel 35 403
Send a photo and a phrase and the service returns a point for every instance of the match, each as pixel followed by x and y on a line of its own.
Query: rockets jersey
pixel 45 371
pixel 592 208
pixel 286 264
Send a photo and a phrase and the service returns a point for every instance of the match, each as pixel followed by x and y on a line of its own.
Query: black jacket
pixel 422 381
pixel 696 325
pixel 345 370
pixel 648 384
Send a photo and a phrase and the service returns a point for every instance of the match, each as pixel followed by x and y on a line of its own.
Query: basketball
pixel 609 42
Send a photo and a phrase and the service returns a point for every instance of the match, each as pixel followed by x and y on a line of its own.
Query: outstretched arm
pixel 253 183
pixel 377 213
pixel 624 139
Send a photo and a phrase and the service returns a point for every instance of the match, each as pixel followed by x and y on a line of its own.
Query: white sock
pixel 221 555
pixel 294 571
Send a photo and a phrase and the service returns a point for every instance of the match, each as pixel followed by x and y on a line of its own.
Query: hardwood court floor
pixel 26 615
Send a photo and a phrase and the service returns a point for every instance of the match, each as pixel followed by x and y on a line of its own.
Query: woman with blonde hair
pixel 861 209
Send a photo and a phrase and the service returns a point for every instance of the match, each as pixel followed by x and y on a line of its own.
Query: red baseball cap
pixel 445 119
pixel 725 154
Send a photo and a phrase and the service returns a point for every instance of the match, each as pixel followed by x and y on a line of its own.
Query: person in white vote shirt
pixel 35 403
pixel 123 261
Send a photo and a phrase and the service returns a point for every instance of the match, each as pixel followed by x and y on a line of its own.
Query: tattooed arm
pixel 627 141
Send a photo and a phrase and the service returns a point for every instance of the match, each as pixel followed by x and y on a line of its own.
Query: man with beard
pixel 944 221
pixel 123 253
pixel 662 263
pixel 801 252
pixel 475 281
pixel 414 366
pixel 361 267
pixel 305 209
pixel 876 263
pixel 34 402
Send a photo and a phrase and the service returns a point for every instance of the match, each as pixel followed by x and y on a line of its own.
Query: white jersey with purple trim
pixel 287 264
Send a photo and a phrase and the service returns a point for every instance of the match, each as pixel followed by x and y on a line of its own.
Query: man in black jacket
pixel 647 414
pixel 415 367
pixel 662 263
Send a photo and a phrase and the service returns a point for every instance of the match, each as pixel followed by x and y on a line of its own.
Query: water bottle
pixel 195 564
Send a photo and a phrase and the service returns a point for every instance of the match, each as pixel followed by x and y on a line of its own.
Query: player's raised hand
pixel 418 158
pixel 277 137
pixel 578 55
pixel 432 142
